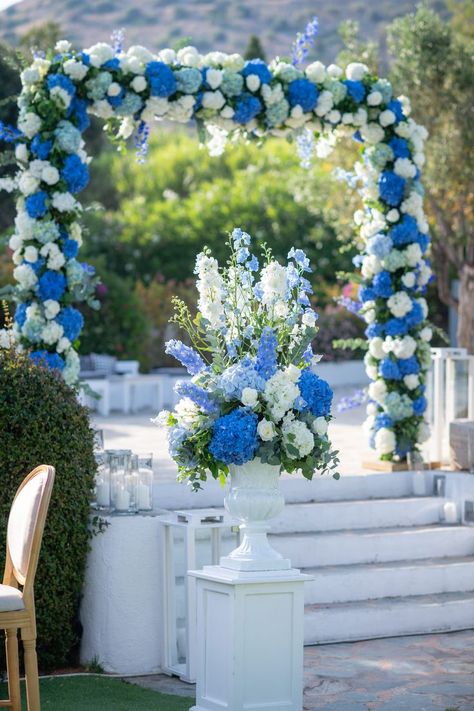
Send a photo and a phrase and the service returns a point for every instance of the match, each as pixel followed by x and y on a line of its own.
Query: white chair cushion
pixel 22 521
pixel 10 599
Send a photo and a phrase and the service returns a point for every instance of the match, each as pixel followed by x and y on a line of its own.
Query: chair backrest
pixel 26 524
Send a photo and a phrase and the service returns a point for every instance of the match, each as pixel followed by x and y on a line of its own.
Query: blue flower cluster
pixel 75 173
pixel 382 285
pixel 35 204
pixel 72 322
pixel 259 68
pixel 40 149
pixel 391 188
pixel 316 393
pixel 302 92
pixel 266 363
pixel 53 361
pixel 198 395
pixel 379 245
pixel 389 369
pixel 160 78
pixel 239 376
pixel 404 232
pixel 61 81
pixel 234 437
pixel 356 90
pixel 247 107
pixel 186 355
pixel 51 285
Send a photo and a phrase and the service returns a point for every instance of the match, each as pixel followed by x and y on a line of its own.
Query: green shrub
pixel 41 422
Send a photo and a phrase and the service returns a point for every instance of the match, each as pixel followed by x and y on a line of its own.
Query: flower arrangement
pixel 254 390
pixel 229 98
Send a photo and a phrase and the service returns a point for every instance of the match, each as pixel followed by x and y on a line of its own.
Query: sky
pixel 6 3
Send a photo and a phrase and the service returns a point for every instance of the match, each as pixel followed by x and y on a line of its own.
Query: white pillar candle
pixel 419 485
pixel 144 498
pixel 450 512
pixel 103 493
pixel 122 499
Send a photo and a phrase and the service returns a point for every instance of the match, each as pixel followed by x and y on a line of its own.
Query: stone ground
pixel 424 673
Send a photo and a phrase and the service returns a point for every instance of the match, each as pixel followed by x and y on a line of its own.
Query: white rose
pixel 25 276
pixel 378 391
pixel 31 254
pixel 334 116
pixel 253 82
pixel 27 183
pixel 249 397
pixel 114 89
pixel 64 202
pixel 376 348
pixel 325 103
pixel 62 46
pixel 411 381
pixel 409 280
pixel 372 408
pixel 372 133
pixel 139 84
pixel 374 98
pixel 168 56
pixel 189 56
pixel 51 308
pixel 413 255
pixel 387 117
pixel 320 426
pixel 426 334
pixel 214 78
pixel 15 242
pixel 399 304
pixel 76 70
pixel 385 441
pixel 316 72
pixel 50 175
pixel 372 372
pixel 52 332
pixel 213 100
pixel 100 53
pixel 234 62
pixel 334 71
pixel 393 215
pixel 21 152
pixel 356 71
pixel 404 168
pixel 266 430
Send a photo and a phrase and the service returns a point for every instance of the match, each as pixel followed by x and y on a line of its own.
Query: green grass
pixel 102 694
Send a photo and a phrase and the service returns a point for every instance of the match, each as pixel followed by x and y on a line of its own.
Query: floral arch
pixel 229 98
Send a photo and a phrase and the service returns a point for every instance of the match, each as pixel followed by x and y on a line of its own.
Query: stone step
pixel 358 514
pixel 312 550
pixel 392 617
pixel 356 583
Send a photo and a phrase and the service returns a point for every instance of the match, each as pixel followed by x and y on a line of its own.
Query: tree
pixel 41 37
pixel 254 49
pixel 10 87
pixel 433 64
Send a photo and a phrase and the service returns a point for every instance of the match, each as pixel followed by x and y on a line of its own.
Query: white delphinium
pixel 399 304
pixel 210 288
pixel 187 412
pixel 274 283
pixel 27 183
pixel 385 441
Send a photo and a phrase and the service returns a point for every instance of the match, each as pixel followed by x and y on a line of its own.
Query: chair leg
pixel 31 675
pixel 13 668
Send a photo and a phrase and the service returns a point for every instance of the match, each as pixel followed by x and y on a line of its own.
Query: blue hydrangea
pixel 160 78
pixel 51 285
pixel 389 369
pixel 78 111
pixel 239 376
pixel 374 330
pixel 382 285
pixel 399 407
pixel 366 294
pixel 234 437
pixel 304 93
pixel 112 64
pixel 247 108
pixel 277 113
pixel 232 83
pixel 420 405
pixel 40 149
pixel 258 67
pixel 404 232
pixel 396 106
pixel 97 87
pixel 415 316
pixel 266 362
pixel 391 188
pixel 188 80
pixel 383 420
pixel 130 105
pixel 53 361
pixel 423 240
pixel 70 248
pixel 396 327
pixel 379 155
pixel 72 322
pixel 35 204
pixel 316 392
pixel 20 313
pixel 116 100
pixel 399 147
pixel 409 366
pixel 198 395
pixel 385 88
pixel 61 81
pixel 68 137
pixel 36 266
pixel 186 355
pixel 355 89
pixel 379 245
pixel 75 173
pixel 177 435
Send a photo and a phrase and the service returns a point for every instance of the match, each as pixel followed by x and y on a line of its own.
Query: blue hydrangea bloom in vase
pixel 254 406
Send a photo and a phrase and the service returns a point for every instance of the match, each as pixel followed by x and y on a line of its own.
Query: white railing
pixel 450 394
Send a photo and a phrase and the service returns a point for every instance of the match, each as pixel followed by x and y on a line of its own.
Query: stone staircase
pixel 380 567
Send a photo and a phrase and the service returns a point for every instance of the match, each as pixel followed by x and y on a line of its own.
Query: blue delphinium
pixel 419 405
pixel 234 437
pixel 409 366
pixel 186 355
pixel 382 285
pixel 160 78
pixel 300 258
pixel 198 395
pixel 40 149
pixel 258 67
pixel 239 376
pixel 405 231
pixel 379 245
pixel 35 204
pixel 399 147
pixel 188 80
pixel 389 369
pixel 355 89
pixel 316 392
pixel 304 93
pixel 304 41
pixel 53 361
pixel 75 173
pixel 72 322
pixel 51 285
pixel 391 188
pixel 266 362
pixel 247 108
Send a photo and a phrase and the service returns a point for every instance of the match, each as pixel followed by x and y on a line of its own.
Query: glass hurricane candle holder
pixel 103 498
pixel 143 465
pixel 122 492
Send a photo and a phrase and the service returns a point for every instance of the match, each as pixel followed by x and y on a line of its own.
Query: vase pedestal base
pixel 249 639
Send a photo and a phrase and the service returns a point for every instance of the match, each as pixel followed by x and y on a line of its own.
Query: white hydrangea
pixel 372 133
pixel 181 110
pixel 401 347
pixel 266 430
pixel 235 62
pixel 371 265
pixel 64 202
pixel 25 276
pixel 72 367
pixel 297 435
pixel 413 204
pixel 355 71
pixel 155 106
pixel 63 344
pixel 399 304
pixel 75 69
pixel 320 426
pixel 15 242
pixel 413 255
pixel 404 168
pixel 52 332
pixel 56 259
pixel 62 46
pixel 187 412
pixel 100 53
pixel 385 441
pixel 29 124
pixel 280 393
pixel 324 104
pixel 51 308
pixel 411 381
pixel 316 72
pixel 376 348
pixel 189 56
pixel 27 183
pixel 360 117
pixel 378 391
pixel 213 100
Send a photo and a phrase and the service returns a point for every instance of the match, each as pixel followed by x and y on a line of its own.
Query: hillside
pixel 211 24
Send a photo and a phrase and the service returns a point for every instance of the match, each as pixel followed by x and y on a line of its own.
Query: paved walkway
pixel 424 673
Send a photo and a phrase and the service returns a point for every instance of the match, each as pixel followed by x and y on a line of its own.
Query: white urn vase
pixel 254 499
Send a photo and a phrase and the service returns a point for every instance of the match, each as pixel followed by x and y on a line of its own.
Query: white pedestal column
pixel 249 639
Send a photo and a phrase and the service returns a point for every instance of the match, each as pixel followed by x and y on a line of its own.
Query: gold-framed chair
pixel 17 605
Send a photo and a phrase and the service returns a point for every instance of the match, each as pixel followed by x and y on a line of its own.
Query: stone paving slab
pixel 421 673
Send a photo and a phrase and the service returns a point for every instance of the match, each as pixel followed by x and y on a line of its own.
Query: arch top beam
pixel 229 98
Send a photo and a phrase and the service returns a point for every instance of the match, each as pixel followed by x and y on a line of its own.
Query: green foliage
pixel 42 422
pixel 356 49
pixel 40 37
